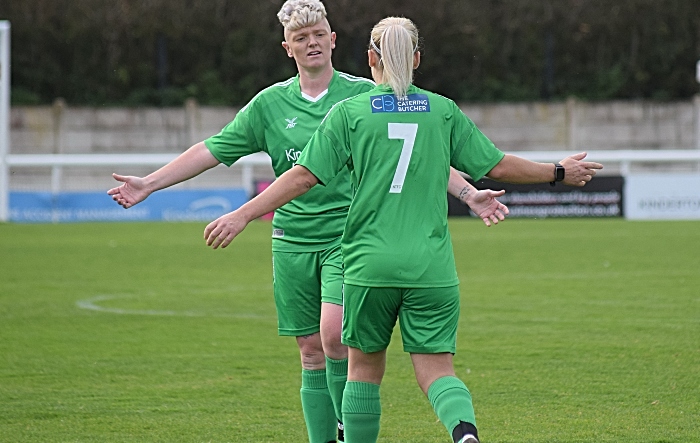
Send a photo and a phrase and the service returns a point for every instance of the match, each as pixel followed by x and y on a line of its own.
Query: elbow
pixel 306 180
pixel 308 183
pixel 496 173
pixel 503 170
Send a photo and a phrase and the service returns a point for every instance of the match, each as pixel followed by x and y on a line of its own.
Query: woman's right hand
pixel 133 190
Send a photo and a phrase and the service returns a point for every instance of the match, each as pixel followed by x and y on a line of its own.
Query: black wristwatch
pixel 559 173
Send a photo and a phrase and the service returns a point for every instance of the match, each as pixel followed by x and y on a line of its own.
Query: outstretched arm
pixel 190 163
pixel 483 203
pixel 513 169
pixel 287 187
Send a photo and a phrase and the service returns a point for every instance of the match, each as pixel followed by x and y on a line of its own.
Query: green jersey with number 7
pixel 399 151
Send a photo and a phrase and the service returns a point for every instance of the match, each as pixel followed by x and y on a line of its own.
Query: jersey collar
pixel 314 99
pixel 386 89
pixel 307 97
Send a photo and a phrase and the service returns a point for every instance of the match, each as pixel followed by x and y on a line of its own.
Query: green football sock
pixel 451 402
pixel 317 405
pixel 337 376
pixel 361 412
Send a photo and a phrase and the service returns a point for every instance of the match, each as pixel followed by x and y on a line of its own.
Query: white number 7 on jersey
pixel 407 133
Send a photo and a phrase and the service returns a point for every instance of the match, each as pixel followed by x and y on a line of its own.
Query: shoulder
pixel 444 104
pixel 354 103
pixel 337 109
pixel 439 98
pixel 360 83
pixel 270 93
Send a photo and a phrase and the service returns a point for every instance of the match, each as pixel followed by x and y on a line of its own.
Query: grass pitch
pixel 571 331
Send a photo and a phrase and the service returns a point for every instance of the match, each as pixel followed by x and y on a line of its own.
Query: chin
pixel 315 63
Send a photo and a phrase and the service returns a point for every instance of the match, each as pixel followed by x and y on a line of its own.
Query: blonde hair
pixel 395 39
pixel 297 14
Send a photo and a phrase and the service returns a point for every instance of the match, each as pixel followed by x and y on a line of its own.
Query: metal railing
pixel 625 158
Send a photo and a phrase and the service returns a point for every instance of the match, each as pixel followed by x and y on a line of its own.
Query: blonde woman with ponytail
pixel 395 67
pixel 308 268
pixel 398 143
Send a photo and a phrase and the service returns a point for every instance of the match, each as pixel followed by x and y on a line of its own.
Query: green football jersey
pixel 280 120
pixel 399 153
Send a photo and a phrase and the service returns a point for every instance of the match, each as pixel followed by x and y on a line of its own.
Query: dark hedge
pixel 159 52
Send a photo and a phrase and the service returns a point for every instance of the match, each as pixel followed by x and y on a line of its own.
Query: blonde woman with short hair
pixel 306 233
pixel 399 143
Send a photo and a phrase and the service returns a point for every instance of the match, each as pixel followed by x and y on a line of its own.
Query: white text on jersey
pixel 292 155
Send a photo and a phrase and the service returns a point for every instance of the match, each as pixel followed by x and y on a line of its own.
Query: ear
pixel 333 40
pixel 286 47
pixel 416 59
pixel 372 58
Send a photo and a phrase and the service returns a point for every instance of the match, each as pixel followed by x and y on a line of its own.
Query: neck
pixel 314 82
pixel 377 75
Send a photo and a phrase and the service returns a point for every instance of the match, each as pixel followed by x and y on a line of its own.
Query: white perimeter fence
pixel 623 158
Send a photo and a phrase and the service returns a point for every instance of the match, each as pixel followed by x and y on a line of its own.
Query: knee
pixel 430 367
pixel 311 350
pixel 334 348
pixel 331 328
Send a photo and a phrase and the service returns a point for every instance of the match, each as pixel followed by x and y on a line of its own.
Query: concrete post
pixel 191 110
pixel 696 114
pixel 4 120
pixel 58 109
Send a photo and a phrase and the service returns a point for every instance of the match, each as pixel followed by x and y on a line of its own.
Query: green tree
pixel 159 52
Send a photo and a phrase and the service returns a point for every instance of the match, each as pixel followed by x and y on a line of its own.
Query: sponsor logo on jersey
pixel 277 233
pixel 291 123
pixel 391 103
pixel 292 154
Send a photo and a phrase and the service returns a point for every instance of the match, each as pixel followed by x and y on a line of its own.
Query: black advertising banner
pixel 601 197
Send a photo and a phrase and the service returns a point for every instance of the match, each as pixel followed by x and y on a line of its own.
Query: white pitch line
pixel 92 304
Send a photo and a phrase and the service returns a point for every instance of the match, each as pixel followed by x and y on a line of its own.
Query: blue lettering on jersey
pixel 390 103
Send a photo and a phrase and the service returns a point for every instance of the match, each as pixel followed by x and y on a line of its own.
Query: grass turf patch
pixel 571 331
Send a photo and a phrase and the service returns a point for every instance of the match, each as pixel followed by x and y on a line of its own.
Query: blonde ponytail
pixel 395 39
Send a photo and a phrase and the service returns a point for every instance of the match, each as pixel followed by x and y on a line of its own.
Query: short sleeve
pixel 328 151
pixel 473 152
pixel 237 139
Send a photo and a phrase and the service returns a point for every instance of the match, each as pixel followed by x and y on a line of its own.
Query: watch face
pixel 560 173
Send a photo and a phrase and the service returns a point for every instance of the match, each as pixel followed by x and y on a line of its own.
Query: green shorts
pixel 428 318
pixel 301 281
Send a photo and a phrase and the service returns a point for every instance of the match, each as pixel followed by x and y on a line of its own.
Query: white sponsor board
pixel 662 197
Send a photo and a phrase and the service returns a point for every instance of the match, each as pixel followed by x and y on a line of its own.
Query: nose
pixel 313 41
